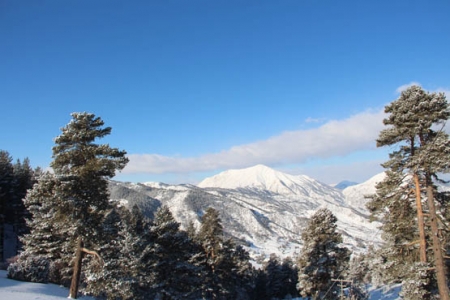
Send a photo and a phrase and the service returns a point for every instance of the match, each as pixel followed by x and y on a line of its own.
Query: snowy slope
pixel 19 290
pixel 263 208
pixel 261 177
pixel 355 195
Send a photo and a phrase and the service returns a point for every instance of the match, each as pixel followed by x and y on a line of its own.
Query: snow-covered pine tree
pixel 415 124
pixel 84 167
pixel 115 277
pixel 394 206
pixel 71 203
pixel 322 258
pixel 50 236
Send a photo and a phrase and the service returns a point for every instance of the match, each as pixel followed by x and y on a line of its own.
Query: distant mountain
pixel 356 195
pixel 264 209
pixel 263 178
pixel 344 184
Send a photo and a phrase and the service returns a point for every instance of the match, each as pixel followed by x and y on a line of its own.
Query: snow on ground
pixel 19 290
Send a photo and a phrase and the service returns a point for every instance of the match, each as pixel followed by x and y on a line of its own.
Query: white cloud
pixel 405 86
pixel 358 171
pixel 334 138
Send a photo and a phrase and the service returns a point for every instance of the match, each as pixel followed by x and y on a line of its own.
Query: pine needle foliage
pixel 322 258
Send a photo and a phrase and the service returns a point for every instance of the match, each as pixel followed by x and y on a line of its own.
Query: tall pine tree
pixel 415 124
pixel 84 167
pixel 71 204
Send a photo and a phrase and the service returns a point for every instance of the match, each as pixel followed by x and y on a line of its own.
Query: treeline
pixel 15 179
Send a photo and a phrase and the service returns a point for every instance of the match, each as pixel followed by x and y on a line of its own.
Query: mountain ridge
pixel 264 209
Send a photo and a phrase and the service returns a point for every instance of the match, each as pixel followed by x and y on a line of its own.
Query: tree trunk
pixel 420 220
pixel 76 270
pixel 437 250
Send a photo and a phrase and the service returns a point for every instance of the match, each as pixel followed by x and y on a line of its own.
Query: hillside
pixel 264 209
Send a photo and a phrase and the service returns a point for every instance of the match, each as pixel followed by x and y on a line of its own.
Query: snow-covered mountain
pixel 355 194
pixel 344 184
pixel 264 178
pixel 265 209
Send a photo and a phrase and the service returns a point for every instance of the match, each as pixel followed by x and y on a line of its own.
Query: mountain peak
pixel 262 177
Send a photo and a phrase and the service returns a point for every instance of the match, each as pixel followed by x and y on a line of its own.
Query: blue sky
pixel 192 88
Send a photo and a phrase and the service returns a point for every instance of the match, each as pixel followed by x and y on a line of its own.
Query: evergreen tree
pixel 211 234
pixel 6 194
pixel 191 231
pixel 228 272
pixel 234 271
pixel 25 179
pixel 15 180
pixel 321 258
pixel 72 203
pixel 50 238
pixel 424 151
pixel 115 276
pixel 83 168
pixel 289 277
pixel 393 205
pixel 174 274
pixel 274 281
pixel 210 237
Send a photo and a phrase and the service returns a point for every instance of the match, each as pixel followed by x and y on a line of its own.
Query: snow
pixel 263 178
pixel 19 290
pixel 354 194
pixel 291 197
pixel 265 208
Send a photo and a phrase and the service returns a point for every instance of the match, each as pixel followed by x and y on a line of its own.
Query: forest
pixel 61 227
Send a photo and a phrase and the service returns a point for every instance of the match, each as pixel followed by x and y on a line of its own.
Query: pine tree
pixel 25 179
pixel 174 274
pixel 424 151
pixel 83 167
pixel 50 237
pixel 228 273
pixel 15 180
pixel 394 206
pixel 289 277
pixel 274 282
pixel 71 204
pixel 210 237
pixel 115 276
pixel 6 194
pixel 321 258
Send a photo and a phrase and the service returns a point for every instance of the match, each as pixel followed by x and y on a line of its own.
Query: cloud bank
pixel 334 138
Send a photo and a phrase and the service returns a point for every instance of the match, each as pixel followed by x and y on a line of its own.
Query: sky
pixel 193 88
